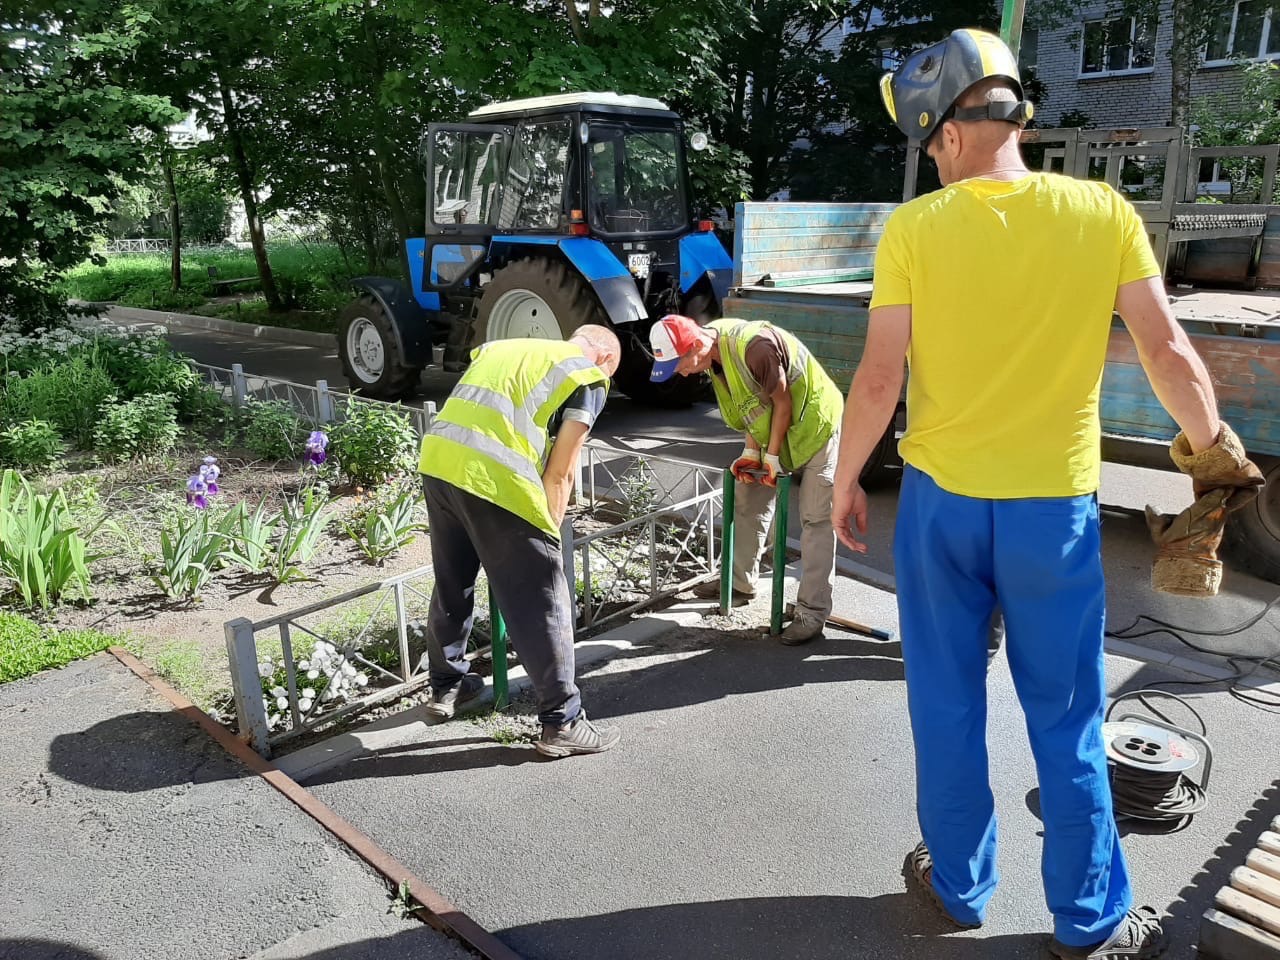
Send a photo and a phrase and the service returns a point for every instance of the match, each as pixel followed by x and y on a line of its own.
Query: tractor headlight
pixel 699 141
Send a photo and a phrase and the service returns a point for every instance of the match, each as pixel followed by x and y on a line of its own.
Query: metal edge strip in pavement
pixel 441 914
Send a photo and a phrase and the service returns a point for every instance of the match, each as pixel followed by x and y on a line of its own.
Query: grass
pixel 255 311
pixel 309 277
pixel 26 647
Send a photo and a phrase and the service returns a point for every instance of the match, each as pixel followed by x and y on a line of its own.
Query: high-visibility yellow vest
pixel 816 402
pixel 490 438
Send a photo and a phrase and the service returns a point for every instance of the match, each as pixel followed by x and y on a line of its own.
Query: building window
pixel 1029 49
pixel 1248 29
pixel 1120 45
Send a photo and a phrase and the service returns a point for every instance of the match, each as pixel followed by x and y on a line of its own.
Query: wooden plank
pixel 1257 885
pixel 1224 937
pixel 1269 842
pixel 1250 909
pixel 1264 862
pixel 806 277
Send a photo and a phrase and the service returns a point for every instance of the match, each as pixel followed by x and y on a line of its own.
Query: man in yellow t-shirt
pixel 998 290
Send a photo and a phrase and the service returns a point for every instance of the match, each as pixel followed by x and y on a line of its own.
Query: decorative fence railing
pixel 644 529
pixel 163 245
pixel 317 403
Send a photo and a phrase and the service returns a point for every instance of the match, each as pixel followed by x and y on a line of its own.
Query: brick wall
pixel 1140 99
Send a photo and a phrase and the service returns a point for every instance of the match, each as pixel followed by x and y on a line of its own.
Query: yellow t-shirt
pixel 1012 285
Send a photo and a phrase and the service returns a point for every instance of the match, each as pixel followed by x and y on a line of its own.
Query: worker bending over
pixel 769 386
pixel 998 290
pixel 498 465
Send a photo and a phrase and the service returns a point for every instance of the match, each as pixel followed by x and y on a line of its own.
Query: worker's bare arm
pixel 1176 372
pixel 873 398
pixel 780 418
pixel 562 466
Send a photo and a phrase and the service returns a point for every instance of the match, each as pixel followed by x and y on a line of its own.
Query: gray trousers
pixel 526 575
pixel 753 516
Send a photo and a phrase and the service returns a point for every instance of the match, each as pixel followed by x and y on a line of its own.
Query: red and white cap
pixel 670 339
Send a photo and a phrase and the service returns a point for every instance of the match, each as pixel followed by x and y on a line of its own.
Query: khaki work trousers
pixel 753 517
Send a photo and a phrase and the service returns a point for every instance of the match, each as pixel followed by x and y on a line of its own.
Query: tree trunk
pixel 1182 63
pixel 240 161
pixel 399 216
pixel 175 221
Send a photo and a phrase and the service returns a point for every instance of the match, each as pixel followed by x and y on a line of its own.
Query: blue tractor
pixel 544 214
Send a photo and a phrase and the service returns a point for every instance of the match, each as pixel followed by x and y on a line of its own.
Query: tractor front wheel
pixel 370 357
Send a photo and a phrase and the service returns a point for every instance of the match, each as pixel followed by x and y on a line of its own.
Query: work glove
pixel 1224 480
pixel 1187 561
pixel 749 459
pixel 773 470
pixel 1222 465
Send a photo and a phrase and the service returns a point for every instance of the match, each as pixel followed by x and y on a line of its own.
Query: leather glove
pixel 1224 480
pixel 773 468
pixel 749 459
pixel 1187 561
pixel 1222 465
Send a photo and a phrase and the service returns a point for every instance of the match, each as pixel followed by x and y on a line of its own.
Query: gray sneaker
pixel 444 703
pixel 581 736
pixel 801 630
pixel 1139 935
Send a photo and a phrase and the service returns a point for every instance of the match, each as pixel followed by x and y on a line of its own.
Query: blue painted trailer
pixel 807 268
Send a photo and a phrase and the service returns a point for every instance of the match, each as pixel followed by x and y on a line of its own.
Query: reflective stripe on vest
pixel 491 437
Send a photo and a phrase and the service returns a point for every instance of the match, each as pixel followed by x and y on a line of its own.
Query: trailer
pixel 807 267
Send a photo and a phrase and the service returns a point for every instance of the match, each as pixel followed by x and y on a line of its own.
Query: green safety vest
pixel 490 438
pixel 816 402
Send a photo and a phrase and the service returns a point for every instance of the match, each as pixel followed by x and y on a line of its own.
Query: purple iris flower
pixel 196 490
pixel 316 445
pixel 209 473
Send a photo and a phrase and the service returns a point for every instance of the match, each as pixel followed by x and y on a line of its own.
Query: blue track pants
pixel 956 559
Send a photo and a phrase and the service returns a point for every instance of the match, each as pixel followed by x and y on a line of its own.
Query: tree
pixel 70 139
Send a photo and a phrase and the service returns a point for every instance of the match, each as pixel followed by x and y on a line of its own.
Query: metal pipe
pixel 726 545
pixel 783 501
pixel 500 695
pixel 1011 24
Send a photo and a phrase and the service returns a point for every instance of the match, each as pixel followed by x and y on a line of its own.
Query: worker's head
pixel 680 345
pixel 962 96
pixel 600 344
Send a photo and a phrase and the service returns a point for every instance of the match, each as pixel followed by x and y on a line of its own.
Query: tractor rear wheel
pixel 370 358
pixel 1253 532
pixel 536 298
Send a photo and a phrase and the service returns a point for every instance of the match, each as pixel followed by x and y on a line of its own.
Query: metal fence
pixel 316 403
pixel 644 530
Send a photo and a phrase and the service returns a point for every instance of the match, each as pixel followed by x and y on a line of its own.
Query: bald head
pixel 600 344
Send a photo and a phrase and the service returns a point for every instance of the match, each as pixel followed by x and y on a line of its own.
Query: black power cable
pixel 1245 666
pixel 1166 797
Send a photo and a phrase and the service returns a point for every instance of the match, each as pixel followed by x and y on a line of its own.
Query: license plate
pixel 638 264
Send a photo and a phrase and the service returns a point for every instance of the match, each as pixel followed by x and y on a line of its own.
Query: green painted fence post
pixel 498 629
pixel 783 501
pixel 726 545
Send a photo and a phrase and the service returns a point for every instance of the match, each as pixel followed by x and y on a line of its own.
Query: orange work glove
pixel 773 468
pixel 749 459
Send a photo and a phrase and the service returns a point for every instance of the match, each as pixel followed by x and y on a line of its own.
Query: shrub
pixel 274 431
pixel 27 647
pixel 140 365
pixel 30 444
pixel 67 393
pixel 144 425
pixel 40 549
pixel 207 412
pixel 374 443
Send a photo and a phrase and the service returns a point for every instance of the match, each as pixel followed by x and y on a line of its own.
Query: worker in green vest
pixel 498 465
pixel 770 387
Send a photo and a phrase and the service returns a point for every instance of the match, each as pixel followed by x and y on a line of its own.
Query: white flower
pixel 304 664
pixel 309 693
pixel 264 669
pixel 282 703
pixel 304 704
pixel 313 674
pixel 279 692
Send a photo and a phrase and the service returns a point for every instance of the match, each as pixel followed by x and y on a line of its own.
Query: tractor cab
pixel 547 213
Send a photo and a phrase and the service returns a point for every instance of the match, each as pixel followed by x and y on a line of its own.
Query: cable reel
pixel 1151 760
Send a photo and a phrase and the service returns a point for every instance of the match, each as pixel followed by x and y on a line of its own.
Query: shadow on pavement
pixel 896 925
pixel 43 950
pixel 140 751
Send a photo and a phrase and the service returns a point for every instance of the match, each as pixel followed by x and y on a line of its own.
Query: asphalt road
pixel 698 434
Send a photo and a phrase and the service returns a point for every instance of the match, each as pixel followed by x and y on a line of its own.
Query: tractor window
pixel 466 174
pixel 635 180
pixel 534 195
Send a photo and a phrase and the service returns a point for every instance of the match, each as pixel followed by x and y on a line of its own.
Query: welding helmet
pixel 921 93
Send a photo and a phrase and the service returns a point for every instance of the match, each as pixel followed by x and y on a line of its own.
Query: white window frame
pixel 1270 21
pixel 1128 71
